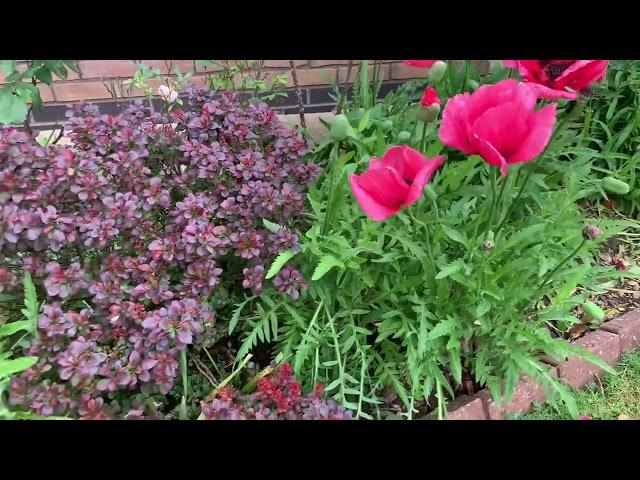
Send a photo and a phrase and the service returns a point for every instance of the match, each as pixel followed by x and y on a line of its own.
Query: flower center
pixel 554 70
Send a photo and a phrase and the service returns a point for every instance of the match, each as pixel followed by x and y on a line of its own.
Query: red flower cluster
pixel 278 397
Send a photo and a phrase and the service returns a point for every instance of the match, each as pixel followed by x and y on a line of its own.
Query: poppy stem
pixel 424 137
pixel 413 133
pixel 492 210
pixel 559 266
pixel 577 108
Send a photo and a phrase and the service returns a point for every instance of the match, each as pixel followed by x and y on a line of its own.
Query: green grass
pixel 618 395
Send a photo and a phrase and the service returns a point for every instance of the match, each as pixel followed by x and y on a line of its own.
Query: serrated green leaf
pixel 13 327
pixel 456 366
pixel 279 262
pixel 450 269
pixel 236 314
pixel 325 264
pixel 364 121
pixel 454 235
pixel 9 367
pixel 333 385
pixel 442 328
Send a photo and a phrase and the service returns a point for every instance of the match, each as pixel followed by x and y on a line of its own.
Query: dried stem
pixel 343 94
pixel 59 135
pixel 294 74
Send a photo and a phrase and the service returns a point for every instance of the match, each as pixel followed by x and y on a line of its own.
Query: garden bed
pixel 203 260
pixel 613 339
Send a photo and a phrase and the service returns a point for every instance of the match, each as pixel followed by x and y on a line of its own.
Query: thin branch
pixel 59 135
pixel 343 94
pixel 294 74
pixel 202 368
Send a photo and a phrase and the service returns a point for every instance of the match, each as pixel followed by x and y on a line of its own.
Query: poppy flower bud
pixel 437 71
pixel 590 232
pixel 387 125
pixel 473 84
pixel 429 105
pixel 404 137
pixel 613 185
pixel 339 127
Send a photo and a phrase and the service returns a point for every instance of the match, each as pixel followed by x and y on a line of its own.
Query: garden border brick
pixel 613 339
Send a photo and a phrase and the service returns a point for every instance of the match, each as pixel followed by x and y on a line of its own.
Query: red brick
pixel 527 392
pixel 46 93
pixel 317 76
pixel 466 408
pixel 400 71
pixel 198 80
pixel 107 68
pixel 283 63
pixel 578 372
pixel 627 326
pixel 324 63
pixel 492 410
pixel 184 65
pixel 66 92
pixel 342 73
pixel 130 91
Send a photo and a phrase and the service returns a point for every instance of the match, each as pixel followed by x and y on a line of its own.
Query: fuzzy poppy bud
pixel 488 245
pixel 387 125
pixel 613 185
pixel 429 105
pixel 404 137
pixel 590 232
pixel 437 71
pixel 339 127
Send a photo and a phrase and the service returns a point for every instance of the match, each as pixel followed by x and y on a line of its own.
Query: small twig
pixel 343 94
pixel 621 290
pixel 202 368
pixel 294 74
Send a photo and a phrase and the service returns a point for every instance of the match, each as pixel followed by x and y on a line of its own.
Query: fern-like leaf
pixel 279 262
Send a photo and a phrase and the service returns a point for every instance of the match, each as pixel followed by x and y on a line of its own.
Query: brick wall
pixel 103 79
pixel 103 82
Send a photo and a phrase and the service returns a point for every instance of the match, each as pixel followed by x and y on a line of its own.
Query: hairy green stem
pixel 423 142
pixel 550 275
pixel 493 203
pixel 574 111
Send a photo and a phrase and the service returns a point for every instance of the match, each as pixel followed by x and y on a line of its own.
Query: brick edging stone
pixel 613 339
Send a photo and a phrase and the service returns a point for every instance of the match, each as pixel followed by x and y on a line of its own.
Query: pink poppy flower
pixel 395 181
pixel 554 79
pixel 498 122
pixel 420 63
